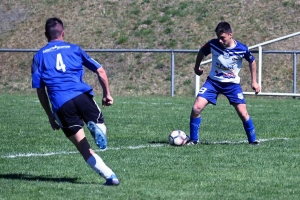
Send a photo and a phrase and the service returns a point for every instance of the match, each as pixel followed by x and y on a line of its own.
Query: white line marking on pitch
pixel 73 152
pixel 243 141
pixel 155 103
pixel 129 147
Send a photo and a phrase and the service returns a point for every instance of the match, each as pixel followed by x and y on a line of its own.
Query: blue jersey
pixel 226 62
pixel 59 67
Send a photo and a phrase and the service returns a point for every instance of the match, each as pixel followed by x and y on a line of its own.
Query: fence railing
pixel 171 51
pixel 197 78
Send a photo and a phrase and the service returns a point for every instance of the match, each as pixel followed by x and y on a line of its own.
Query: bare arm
pixel 254 84
pixel 199 59
pixel 43 97
pixel 107 99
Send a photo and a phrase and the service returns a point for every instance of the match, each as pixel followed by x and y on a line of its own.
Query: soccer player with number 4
pixel 57 74
pixel 227 55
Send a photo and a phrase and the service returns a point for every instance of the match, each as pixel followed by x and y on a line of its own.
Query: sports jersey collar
pixel 55 41
pixel 235 43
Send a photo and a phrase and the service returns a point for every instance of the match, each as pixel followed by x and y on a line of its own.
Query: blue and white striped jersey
pixel 226 62
pixel 59 67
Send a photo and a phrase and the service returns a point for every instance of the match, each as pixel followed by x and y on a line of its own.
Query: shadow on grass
pixel 29 177
pixel 159 142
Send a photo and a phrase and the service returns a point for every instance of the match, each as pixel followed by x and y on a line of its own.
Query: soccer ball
pixel 178 138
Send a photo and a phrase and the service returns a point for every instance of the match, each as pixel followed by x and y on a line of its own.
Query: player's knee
pixel 244 116
pixel 196 110
pixel 242 112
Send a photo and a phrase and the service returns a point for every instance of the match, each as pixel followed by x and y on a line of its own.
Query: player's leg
pixel 207 94
pixel 234 94
pixel 72 126
pixel 92 159
pixel 247 122
pixel 93 117
pixel 195 120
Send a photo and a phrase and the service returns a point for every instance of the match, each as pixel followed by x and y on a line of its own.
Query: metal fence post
pixel 260 67
pixel 295 74
pixel 172 73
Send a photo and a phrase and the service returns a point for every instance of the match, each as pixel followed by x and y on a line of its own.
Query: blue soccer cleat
pixel 113 180
pixel 98 134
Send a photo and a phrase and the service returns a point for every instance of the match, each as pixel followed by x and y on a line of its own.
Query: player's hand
pixel 256 87
pixel 53 123
pixel 198 71
pixel 107 101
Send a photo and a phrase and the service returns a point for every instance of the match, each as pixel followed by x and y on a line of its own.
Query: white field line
pixel 129 147
pixel 243 141
pixel 74 152
pixel 153 103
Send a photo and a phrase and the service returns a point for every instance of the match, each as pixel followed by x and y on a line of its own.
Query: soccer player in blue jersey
pixel 227 55
pixel 57 74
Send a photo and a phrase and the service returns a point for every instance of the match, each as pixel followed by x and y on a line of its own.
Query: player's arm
pixel 96 67
pixel 197 69
pixel 253 72
pixel 107 99
pixel 43 98
pixel 204 51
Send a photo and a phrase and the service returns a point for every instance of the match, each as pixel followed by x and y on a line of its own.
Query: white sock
pixel 102 127
pixel 97 164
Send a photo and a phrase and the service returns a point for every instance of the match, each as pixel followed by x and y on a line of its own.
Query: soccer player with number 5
pixel 57 74
pixel 227 56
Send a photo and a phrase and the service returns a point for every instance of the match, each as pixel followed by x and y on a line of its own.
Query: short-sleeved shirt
pixel 58 66
pixel 226 62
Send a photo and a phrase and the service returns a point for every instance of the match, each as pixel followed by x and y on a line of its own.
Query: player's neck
pixel 57 39
pixel 232 43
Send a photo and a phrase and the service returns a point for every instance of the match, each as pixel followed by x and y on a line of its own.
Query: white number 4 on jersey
pixel 59 63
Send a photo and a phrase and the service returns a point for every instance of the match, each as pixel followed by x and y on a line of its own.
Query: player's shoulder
pixel 241 45
pixel 214 41
pixel 39 53
pixel 41 50
pixel 75 47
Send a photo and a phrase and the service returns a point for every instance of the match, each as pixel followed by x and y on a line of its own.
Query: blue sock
pixel 250 130
pixel 194 128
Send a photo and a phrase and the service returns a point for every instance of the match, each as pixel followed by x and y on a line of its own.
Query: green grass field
pixel 38 163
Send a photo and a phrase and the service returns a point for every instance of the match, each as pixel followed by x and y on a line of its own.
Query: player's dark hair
pixel 223 27
pixel 53 28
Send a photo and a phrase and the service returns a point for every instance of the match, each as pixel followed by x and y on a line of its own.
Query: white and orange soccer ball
pixel 178 138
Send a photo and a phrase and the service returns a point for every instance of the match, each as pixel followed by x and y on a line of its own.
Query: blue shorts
pixel 211 89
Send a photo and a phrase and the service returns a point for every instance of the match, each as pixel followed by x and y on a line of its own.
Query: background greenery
pixel 145 24
pixel 37 163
